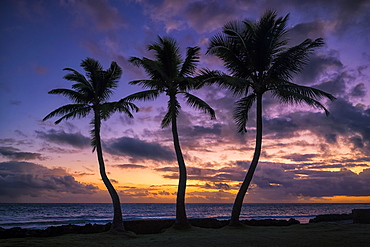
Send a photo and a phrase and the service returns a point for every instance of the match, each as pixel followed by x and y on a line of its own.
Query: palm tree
pixel 259 61
pixel 171 75
pixel 90 95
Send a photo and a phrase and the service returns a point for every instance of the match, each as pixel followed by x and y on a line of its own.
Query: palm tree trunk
pixel 234 221
pixel 117 223
pixel 180 200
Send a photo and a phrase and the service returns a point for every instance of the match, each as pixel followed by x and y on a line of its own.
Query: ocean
pixel 43 215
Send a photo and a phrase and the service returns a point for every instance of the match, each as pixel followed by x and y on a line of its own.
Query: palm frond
pixel 238 86
pixel 114 74
pixel 304 90
pixel 108 108
pixel 168 55
pixel 187 83
pixel 143 95
pixel 190 63
pixel 69 111
pixel 297 94
pixel 71 94
pixel 241 112
pixel 293 59
pixel 173 109
pixel 77 77
pixel 92 67
pixel 199 104
pixel 153 68
pixel 166 121
pixel 230 52
pixel 93 132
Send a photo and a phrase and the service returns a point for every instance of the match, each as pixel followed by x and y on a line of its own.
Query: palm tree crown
pixel 91 94
pixel 258 59
pixel 172 75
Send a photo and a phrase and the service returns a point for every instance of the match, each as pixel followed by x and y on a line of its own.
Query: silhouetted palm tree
pixel 90 95
pixel 171 75
pixel 258 60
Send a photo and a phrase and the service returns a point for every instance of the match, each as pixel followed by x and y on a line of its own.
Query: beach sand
pixel 317 234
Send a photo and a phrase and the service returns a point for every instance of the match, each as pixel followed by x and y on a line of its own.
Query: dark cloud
pixel 193 137
pixel 201 130
pixel 279 127
pixel 347 119
pixel 225 174
pixel 315 183
pixel 323 65
pixel 130 166
pixel 336 84
pixel 304 180
pixel 16 154
pixel 76 140
pixel 359 90
pixel 302 31
pixel 218 186
pixel 58 150
pixel 299 157
pixel 138 149
pixel 328 166
pixel 19 179
pixel 208 15
pixel 125 120
pixel 97 14
pixel 357 141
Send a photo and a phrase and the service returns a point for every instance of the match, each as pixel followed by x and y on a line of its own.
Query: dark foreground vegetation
pixel 157 226
pixel 317 234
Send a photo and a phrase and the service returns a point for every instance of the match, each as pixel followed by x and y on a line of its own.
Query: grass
pixel 319 234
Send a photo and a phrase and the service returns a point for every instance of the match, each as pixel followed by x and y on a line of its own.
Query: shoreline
pixel 135 226
pixel 159 225
pixel 312 234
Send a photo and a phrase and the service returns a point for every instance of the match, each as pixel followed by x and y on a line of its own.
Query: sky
pixel 306 156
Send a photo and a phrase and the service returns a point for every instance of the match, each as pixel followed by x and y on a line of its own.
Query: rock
pixel 331 217
pixel 361 216
pixel 292 221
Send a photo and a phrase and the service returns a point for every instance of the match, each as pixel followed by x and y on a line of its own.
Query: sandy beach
pixel 317 234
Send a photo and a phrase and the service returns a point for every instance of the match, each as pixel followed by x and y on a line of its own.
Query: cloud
pixel 16 154
pixel 286 180
pixel 15 102
pixel 98 14
pixel 359 90
pixel 19 179
pixel 34 11
pixel 312 183
pixel 130 166
pixel 219 186
pixel 41 70
pixel 299 157
pixel 302 31
pixel 323 66
pixel 224 174
pixel 76 140
pixel 206 16
pixel 138 150
pixel 201 16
